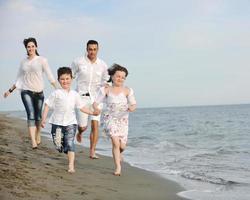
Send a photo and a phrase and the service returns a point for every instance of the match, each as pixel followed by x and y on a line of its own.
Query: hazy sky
pixel 178 53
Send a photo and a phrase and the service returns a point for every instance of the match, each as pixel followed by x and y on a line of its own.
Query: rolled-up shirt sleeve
pixel 47 70
pixel 131 97
pixel 50 101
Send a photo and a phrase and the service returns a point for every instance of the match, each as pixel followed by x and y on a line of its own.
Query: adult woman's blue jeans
pixel 33 103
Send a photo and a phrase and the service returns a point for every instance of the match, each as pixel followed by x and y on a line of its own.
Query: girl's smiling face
pixel 118 78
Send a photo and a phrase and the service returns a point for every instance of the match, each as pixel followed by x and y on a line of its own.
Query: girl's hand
pixel 131 108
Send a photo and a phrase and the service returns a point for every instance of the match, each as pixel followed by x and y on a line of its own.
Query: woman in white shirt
pixel 30 81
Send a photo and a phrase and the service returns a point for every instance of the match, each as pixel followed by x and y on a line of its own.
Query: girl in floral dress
pixel 119 101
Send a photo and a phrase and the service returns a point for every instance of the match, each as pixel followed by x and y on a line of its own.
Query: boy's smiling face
pixel 65 81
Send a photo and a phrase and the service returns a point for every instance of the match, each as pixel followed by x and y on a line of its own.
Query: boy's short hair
pixel 64 70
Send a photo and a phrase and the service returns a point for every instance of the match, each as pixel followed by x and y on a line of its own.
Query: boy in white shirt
pixel 63 119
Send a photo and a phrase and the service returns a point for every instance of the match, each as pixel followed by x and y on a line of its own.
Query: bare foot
pixel 117 172
pixel 92 154
pixel 94 157
pixel 79 137
pixel 34 145
pixel 71 171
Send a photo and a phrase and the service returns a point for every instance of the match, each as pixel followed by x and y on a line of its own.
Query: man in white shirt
pixel 91 74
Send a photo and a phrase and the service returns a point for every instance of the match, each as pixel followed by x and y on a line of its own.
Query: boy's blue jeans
pixel 68 137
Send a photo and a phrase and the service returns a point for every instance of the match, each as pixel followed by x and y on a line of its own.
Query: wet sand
pixel 42 173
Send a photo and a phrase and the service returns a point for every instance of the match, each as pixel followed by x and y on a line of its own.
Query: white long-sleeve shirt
pixel 63 104
pixel 90 76
pixel 30 74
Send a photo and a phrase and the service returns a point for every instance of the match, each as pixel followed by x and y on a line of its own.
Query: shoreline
pixel 42 173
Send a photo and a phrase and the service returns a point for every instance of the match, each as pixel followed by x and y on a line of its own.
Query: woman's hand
pixel 6 94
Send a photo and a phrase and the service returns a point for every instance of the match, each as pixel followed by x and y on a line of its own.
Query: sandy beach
pixel 42 173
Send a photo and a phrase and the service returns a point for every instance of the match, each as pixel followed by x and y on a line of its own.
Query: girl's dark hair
pixel 64 70
pixel 26 41
pixel 115 67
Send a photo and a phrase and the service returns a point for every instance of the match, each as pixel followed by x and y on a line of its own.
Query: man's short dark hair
pixel 64 70
pixel 92 42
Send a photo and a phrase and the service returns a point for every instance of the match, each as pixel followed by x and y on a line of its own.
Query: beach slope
pixel 42 173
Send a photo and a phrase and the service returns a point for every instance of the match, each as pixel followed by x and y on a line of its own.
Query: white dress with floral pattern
pixel 115 116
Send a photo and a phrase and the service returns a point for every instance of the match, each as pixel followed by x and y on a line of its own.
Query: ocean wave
pixel 167 145
pixel 140 141
pixel 230 150
pixel 209 179
pixel 203 155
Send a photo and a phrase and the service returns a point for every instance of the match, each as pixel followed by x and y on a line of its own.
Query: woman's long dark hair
pixel 26 41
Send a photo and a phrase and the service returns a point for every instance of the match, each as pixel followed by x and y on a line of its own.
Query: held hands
pixel 88 111
pixel 43 123
pixel 96 112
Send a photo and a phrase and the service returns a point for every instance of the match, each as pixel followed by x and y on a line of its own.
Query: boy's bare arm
pixel 90 112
